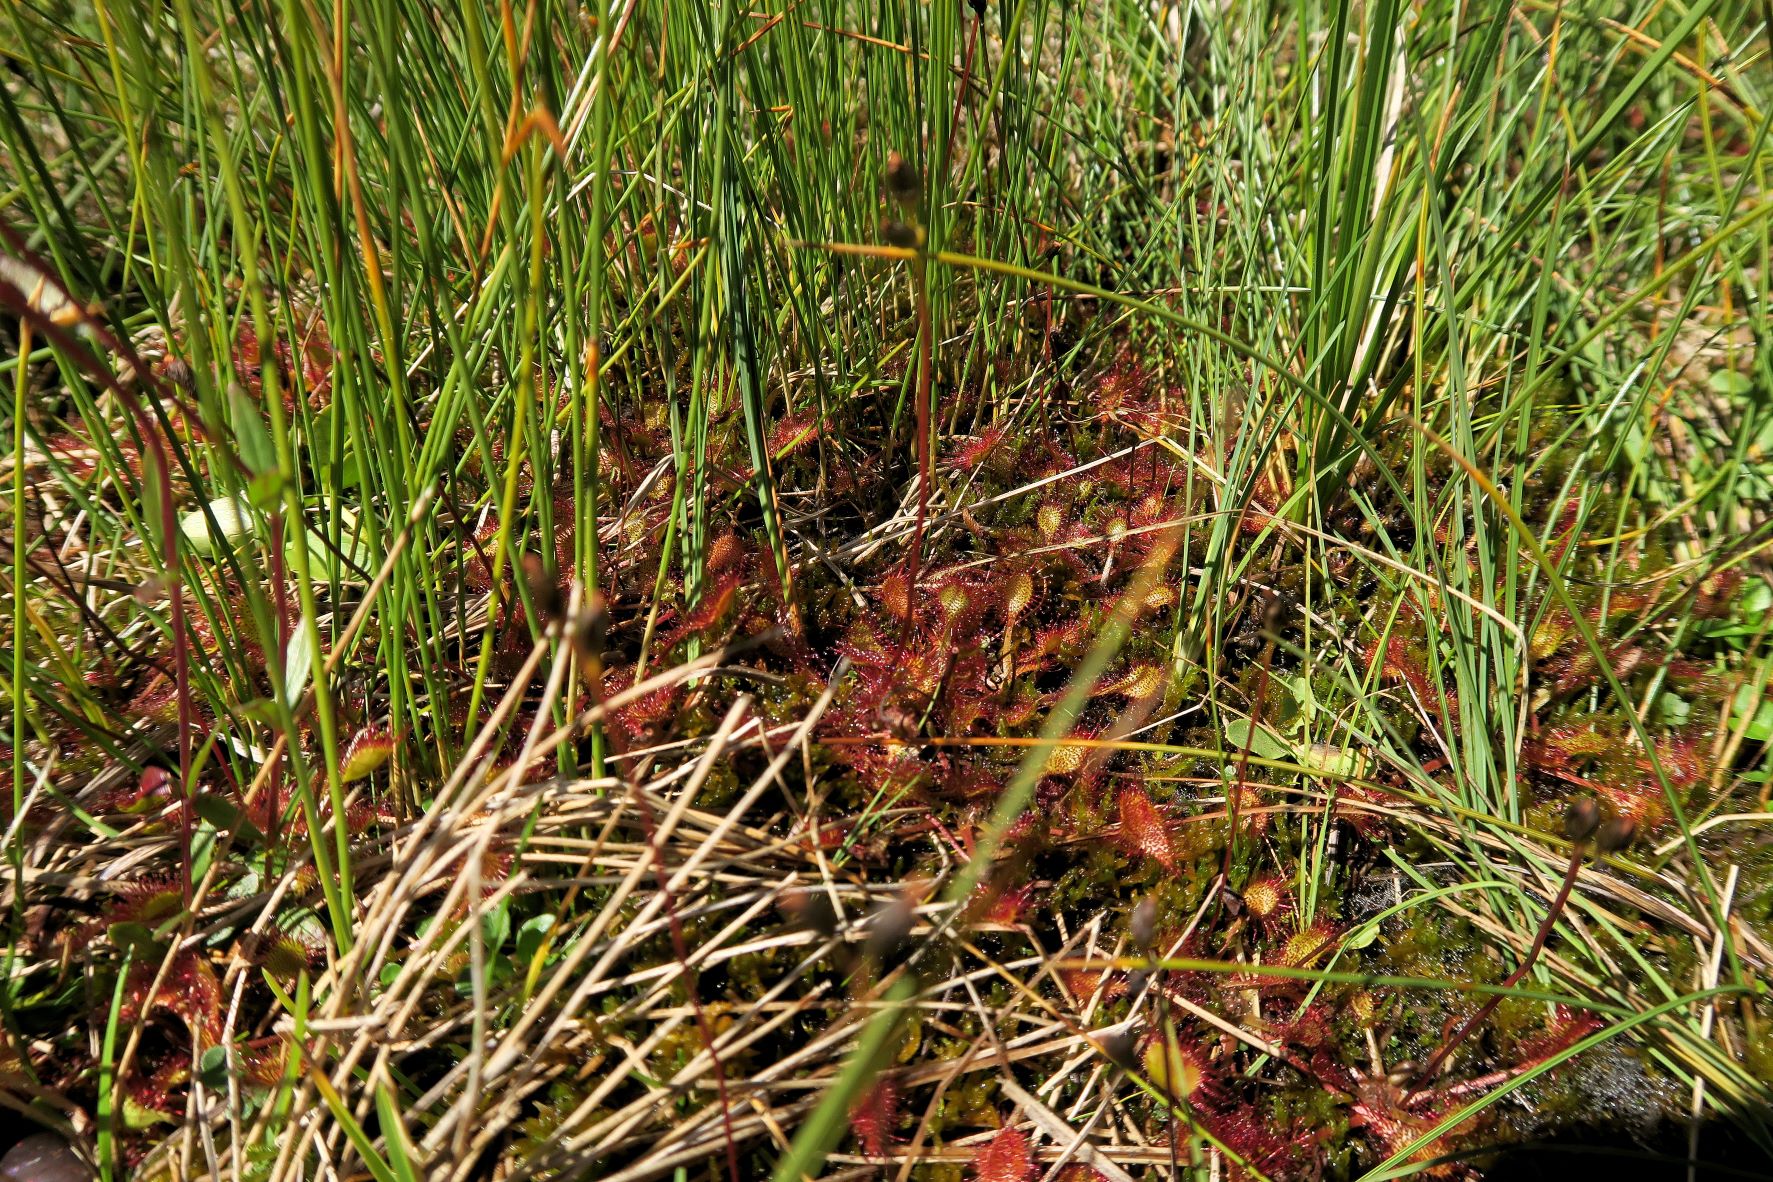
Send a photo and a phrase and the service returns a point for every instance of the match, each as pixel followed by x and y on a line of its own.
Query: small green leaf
pixel 202 849
pixel 225 815
pixel 254 442
pixel 1757 597
pixel 212 1068
pixel 265 491
pixel 1361 937
pixel 233 518
pixel 532 933
pixel 352 553
pixel 1759 728
pixel 1729 383
pixel 298 661
pixel 1672 709
pixel 1328 758
pixel 138 937
pixel 139 1116
pixel 1307 701
pixel 495 926
pixel 1264 745
pixel 260 710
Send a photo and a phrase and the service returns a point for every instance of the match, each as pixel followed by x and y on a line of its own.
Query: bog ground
pixel 1012 589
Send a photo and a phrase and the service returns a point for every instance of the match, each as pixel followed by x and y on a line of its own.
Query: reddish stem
pixel 1489 1007
pixel 16 300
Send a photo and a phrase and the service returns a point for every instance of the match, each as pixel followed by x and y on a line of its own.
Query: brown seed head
pixel 1143 925
pixel 1118 1046
pixel 889 928
pixel 1581 819
pixel 544 592
pixel 898 234
pixel 1615 834
pixel 902 181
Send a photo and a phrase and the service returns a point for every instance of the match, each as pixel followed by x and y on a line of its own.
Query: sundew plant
pixel 870 589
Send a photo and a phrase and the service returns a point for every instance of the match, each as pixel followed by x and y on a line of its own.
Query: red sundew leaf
pixel 1264 499
pixel 148 901
pixel 1050 522
pixel 1365 821
pixel 156 701
pixel 895 595
pixel 368 750
pixel 1078 1172
pixel 80 457
pixel 1004 1158
pixel 1018 595
pixel 1141 681
pixel 1716 594
pixel 1176 1066
pixel 1307 944
pixel 362 815
pixel 1251 1138
pixel 716 599
pixel 831 835
pixel 148 1099
pixel 957 600
pixel 725 552
pixel 792 433
pixel 1142 828
pixel 642 718
pixel 152 790
pixel 1268 899
pixel 264 1062
pixel 245 355
pixel 267 811
pixel 1644 804
pixel 283 954
pixel 976 451
pixel 190 990
pixel 1310 1030
pixel 1083 983
pixel 1124 381
pixel 1562 748
pixel 1397 664
pixel 1251 808
pixel 1697 677
pixel 1565 1027
pixel 875 1117
pixel 1008 906
pixel 1685 757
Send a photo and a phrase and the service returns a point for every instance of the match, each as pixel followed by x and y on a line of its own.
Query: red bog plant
pixel 190 990
pixel 149 1097
pixel 149 792
pixel 149 901
pixel 1005 1158
pixel 368 750
pixel 284 955
pixel 1269 900
pixel 1396 664
pixel 1307 945
pixel 644 718
pixel 792 433
pixel 976 451
pixel 1143 830
pixel 874 1118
